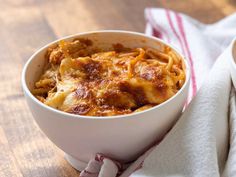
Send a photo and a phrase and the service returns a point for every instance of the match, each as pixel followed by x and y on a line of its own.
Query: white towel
pixel 198 145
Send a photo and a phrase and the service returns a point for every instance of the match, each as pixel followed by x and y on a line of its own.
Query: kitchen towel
pixel 202 142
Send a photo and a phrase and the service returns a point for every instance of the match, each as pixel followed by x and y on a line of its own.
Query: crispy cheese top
pixel 85 80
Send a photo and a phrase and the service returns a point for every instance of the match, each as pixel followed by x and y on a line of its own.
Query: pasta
pixel 82 79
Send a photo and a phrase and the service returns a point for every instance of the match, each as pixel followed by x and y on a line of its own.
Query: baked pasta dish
pixel 82 79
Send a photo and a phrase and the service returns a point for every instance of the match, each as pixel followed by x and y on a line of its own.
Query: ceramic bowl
pixel 233 62
pixel 122 137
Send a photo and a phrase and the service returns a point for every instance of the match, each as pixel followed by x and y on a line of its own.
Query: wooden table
pixel 26 25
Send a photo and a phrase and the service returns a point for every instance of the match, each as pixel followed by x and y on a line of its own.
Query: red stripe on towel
pixel 168 15
pixel 174 31
pixel 156 33
pixel 183 34
pixel 156 27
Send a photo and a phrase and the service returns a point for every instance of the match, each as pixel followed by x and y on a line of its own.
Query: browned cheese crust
pixel 82 79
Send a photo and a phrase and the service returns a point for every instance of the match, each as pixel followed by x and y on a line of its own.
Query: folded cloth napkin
pixel 198 144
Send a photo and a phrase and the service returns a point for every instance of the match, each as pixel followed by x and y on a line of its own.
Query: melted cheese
pixel 81 80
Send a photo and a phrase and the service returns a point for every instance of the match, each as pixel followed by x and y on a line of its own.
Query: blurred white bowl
pixel 233 62
pixel 122 137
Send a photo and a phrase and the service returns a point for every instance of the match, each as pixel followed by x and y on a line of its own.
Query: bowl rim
pixel 233 58
pixel 131 115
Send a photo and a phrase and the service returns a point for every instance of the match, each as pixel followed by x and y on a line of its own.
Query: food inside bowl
pixel 86 80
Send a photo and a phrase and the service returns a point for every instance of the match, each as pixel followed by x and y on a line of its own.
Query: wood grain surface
pixel 25 26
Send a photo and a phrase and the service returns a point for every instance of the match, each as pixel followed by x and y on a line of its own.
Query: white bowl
pixel 122 137
pixel 233 62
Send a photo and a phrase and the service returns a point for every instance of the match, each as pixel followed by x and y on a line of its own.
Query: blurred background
pixel 25 26
pixel 44 20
